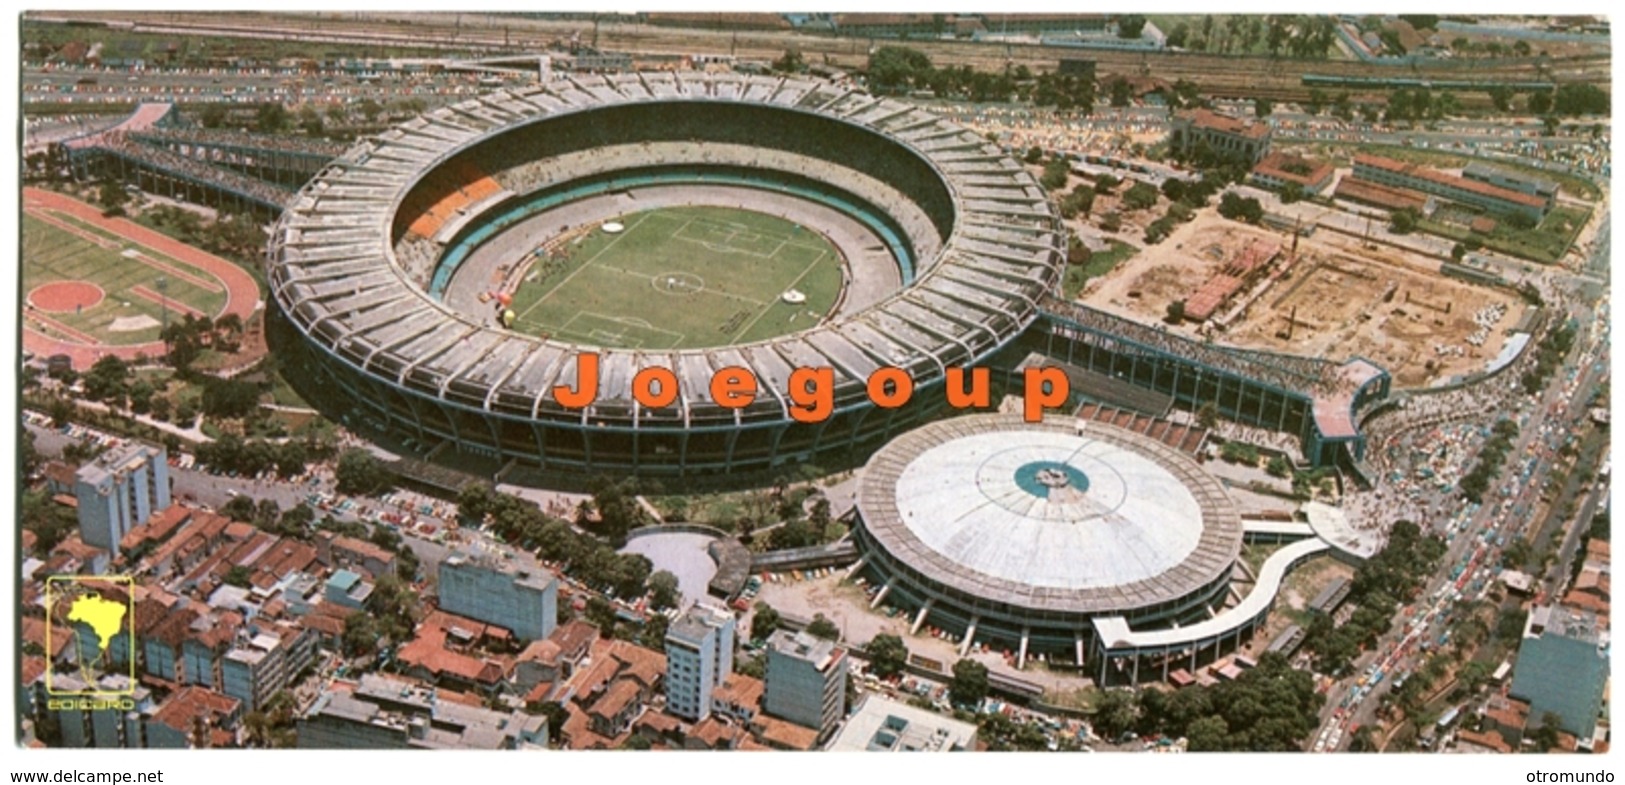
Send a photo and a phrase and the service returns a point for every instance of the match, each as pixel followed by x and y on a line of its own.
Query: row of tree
pixel 1391 577
pixel 583 556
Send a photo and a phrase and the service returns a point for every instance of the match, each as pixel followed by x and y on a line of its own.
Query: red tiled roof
pixel 737 689
pixel 1387 197
pixel 1421 172
pixel 34 632
pixel 1275 165
pixel 1225 124
pixel 194 702
pixel 33 669
pixel 616 699
pixel 786 735
pixel 1490 740
pixel 714 733
pixel 60 473
pixel 574 638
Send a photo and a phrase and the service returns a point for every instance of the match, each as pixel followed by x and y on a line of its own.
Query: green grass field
pixel 54 253
pixel 682 278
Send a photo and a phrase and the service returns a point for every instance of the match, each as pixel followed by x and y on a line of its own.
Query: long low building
pixel 1474 193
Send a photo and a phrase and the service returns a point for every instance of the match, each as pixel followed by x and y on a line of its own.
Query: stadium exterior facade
pixel 359 261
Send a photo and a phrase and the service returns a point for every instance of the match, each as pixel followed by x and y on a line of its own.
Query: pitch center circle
pixel 677 283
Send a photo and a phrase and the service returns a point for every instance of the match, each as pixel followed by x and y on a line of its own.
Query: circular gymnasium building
pixel 448 273
pixel 1028 533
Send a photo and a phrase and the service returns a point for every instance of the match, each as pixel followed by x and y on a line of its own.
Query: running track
pixel 242 294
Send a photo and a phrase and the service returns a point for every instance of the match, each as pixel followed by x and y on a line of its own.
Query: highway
pixel 1477 532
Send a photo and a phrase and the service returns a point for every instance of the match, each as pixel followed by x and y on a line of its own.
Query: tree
pixel 107 380
pixel 112 198
pixel 663 590
pixel 887 655
pixel 1116 713
pixel 1176 312
pixel 1291 192
pixel 1540 102
pixel 271 118
pixel 309 121
pixel 1457 251
pixel 823 628
pixel 791 62
pixel 1262 107
pixel 1546 736
pixel 764 623
pixel 1130 26
pixel 1034 155
pixel 969 684
pixel 358 472
pixel 371 109
pixel 1403 221
pixel 238 576
pixel 212 115
pixel 897 68
pixel 653 634
pixel 1122 92
pixel 1278 467
pixel 1055 174
pixel 1207 415
pixel 1140 196
pixel 239 508
pixel 229 398
pixel 360 634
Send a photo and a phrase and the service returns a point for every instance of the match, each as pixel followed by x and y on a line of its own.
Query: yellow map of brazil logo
pixel 97 611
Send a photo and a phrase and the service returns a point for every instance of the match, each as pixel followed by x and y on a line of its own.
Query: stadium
pixel 449 272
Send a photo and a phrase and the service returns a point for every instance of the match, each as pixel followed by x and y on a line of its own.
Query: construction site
pixel 1258 289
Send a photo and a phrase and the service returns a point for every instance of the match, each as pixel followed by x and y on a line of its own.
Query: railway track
pixel 1220 75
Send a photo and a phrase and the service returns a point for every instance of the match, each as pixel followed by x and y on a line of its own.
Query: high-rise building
pixel 699 656
pixel 119 491
pixel 806 680
pixel 485 588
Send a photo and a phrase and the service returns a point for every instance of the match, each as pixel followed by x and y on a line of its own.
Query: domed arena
pixel 1010 531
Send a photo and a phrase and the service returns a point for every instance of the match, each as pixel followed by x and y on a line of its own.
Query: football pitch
pixel 681 278
pixel 101 286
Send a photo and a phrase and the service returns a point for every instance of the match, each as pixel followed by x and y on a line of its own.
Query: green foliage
pixel 897 68
pixel 1239 452
pixel 1002 734
pixel 822 627
pixel 1393 576
pixel 764 623
pixel 1055 174
pixel 1403 220
pixel 663 590
pixel 1140 196
pixel 1237 208
pixel 790 63
pixel 1130 26
pixel 229 398
pixel 887 655
pixel 238 576
pixel 1175 313
pixel 969 684
pixel 359 472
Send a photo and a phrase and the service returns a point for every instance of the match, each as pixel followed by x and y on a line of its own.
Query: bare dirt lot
pixel 1339 301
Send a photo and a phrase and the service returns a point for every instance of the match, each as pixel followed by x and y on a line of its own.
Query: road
pixel 1474 533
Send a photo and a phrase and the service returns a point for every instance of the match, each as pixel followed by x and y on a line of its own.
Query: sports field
pixel 681 278
pixel 82 281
